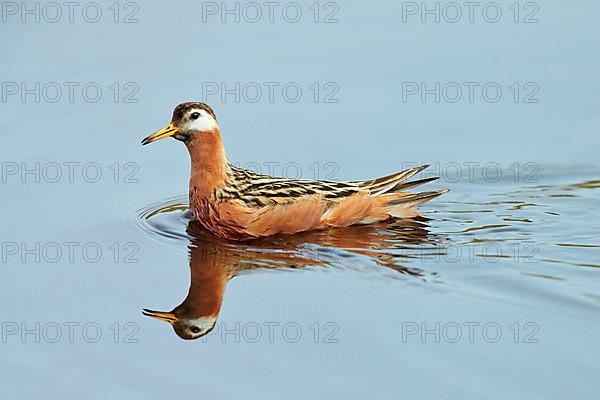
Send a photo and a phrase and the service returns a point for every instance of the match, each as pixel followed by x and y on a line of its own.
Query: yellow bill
pixel 165 132
pixel 163 316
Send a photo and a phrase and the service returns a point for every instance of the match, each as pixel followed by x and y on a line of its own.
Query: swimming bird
pixel 237 204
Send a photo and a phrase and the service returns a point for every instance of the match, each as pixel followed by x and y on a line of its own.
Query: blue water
pixel 494 293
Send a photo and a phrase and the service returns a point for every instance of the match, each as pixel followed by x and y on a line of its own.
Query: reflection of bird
pixel 238 204
pixel 213 262
pixel 197 315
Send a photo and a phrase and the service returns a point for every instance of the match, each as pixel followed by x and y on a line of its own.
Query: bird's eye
pixel 194 115
pixel 195 329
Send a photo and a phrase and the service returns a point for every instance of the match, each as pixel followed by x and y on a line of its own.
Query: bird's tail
pixel 390 191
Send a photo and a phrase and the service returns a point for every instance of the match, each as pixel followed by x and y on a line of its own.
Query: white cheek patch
pixel 203 124
pixel 204 323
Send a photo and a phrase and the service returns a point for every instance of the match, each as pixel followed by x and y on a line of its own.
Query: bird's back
pixel 259 190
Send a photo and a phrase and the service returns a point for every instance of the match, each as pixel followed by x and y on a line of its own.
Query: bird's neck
pixel 210 166
pixel 209 277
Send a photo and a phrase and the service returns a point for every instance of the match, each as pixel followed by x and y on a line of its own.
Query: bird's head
pixel 189 120
pixel 185 328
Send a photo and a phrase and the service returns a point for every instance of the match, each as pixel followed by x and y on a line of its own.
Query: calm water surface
pixel 493 293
